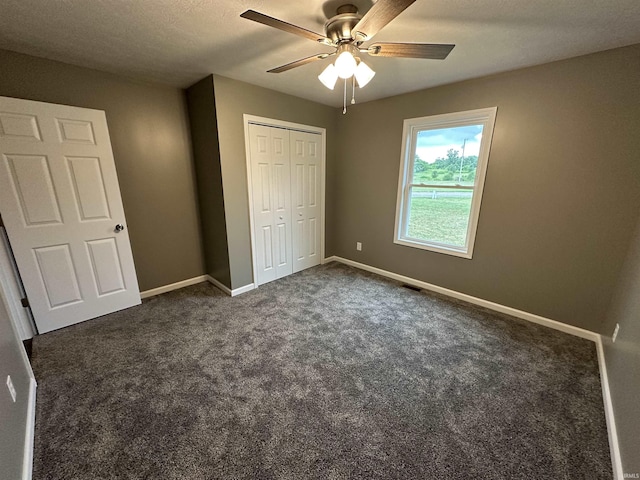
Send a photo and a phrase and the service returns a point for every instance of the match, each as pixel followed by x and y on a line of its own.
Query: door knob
pixel 299 214
pixel 119 228
pixel 280 218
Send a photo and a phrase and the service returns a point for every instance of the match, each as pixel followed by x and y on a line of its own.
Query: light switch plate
pixel 11 388
pixel 615 332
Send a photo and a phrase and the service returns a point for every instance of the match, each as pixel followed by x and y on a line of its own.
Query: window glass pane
pixel 447 156
pixel 439 215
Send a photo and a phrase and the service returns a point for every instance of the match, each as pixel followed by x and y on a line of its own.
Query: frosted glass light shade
pixel 345 64
pixel 363 74
pixel 329 76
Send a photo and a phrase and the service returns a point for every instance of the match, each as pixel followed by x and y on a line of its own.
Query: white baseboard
pixel 192 281
pixel 174 286
pixel 514 312
pixel 227 290
pixel 218 284
pixel 241 290
pixel 614 447
pixel 27 461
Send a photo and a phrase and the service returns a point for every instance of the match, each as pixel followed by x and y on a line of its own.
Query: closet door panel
pixel 281 168
pixel 271 193
pixel 263 209
pixel 306 165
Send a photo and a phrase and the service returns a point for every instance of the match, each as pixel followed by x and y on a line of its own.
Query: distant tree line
pixel 446 168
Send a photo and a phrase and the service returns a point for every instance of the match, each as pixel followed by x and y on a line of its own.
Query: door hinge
pixel 25 302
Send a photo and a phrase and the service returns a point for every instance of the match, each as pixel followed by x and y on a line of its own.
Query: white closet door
pixel 62 209
pixel 270 177
pixel 306 194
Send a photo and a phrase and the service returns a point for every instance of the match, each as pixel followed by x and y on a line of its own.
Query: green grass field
pixel 441 220
pixel 424 177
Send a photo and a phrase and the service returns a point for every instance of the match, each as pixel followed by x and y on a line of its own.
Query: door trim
pixel 271 122
pixel 29 440
pixel 10 287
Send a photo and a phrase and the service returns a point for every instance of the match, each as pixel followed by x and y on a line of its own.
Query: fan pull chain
pixel 344 108
pixel 353 90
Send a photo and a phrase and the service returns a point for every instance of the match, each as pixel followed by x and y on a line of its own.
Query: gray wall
pixel 13 416
pixel 206 156
pixel 562 183
pixel 233 99
pixel 623 358
pixel 150 137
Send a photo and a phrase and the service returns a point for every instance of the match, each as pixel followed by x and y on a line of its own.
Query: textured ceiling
pixel 179 42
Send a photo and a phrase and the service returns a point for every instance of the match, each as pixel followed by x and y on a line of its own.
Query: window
pixel 443 165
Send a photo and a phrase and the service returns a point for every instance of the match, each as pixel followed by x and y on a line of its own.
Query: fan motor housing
pixel 339 28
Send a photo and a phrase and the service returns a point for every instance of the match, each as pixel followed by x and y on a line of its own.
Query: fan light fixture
pixel 346 62
pixel 329 76
pixel 363 74
pixel 346 66
pixel 347 31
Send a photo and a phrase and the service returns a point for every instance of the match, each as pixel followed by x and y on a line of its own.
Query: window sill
pixel 434 248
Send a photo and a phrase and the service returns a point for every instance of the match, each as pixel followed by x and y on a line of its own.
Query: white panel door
pixel 306 195
pixel 270 177
pixel 61 204
pixel 281 168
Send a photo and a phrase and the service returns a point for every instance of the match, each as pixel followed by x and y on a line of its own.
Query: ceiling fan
pixel 346 32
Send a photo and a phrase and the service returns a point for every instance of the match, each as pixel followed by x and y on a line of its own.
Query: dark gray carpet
pixel 331 373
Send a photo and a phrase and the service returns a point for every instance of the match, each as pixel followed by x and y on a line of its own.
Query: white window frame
pixel 485 117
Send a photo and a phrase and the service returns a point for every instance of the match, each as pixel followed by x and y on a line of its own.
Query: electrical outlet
pixel 11 388
pixel 359 246
pixel 615 332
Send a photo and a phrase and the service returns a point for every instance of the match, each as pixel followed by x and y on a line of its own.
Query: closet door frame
pixel 270 122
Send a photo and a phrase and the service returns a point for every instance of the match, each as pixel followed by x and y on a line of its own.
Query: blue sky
pixel 435 143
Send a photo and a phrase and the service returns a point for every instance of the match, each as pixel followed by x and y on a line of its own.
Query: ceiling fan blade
pixel 378 16
pixel 434 51
pixel 299 63
pixel 284 26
